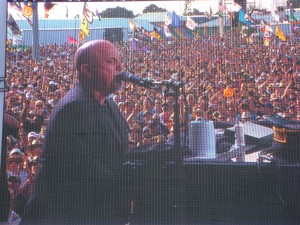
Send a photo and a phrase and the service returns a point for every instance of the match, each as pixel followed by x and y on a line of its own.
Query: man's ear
pixel 85 69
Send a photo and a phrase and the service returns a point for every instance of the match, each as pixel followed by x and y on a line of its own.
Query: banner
pixel 72 40
pixel 87 13
pixel 11 23
pixel 141 33
pixel 84 27
pixel 278 32
pixel 190 23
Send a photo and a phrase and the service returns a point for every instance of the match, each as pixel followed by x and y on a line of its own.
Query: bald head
pixel 97 64
pixel 86 54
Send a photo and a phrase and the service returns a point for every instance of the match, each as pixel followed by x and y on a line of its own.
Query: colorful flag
pixel 11 23
pixel 236 7
pixel 141 33
pixel 190 23
pixel 222 8
pixel 168 19
pixel 134 44
pixel 177 33
pixel 72 40
pixel 220 14
pixel 265 27
pixel 242 18
pixel 278 32
pixel 8 46
pixel 131 24
pixel 16 6
pixel 155 34
pixel 87 13
pixel 84 27
pixel 47 7
pixel 275 14
pixel 267 39
pixel 292 13
pixel 247 31
pixel 167 31
pixel 81 35
pixel 175 20
pixel 144 48
pixel 27 10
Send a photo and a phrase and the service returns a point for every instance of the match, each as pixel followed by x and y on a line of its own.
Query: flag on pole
pixel 247 31
pixel 134 44
pixel 265 27
pixel 209 14
pixel 267 38
pixel 67 12
pixel 220 14
pixel 141 33
pixel 11 23
pixel 190 23
pixel 236 7
pixel 292 12
pixel 84 27
pixel 27 9
pixel 242 18
pixel 278 32
pixel 87 13
pixel 98 14
pixel 155 34
pixel 275 14
pixel 131 24
pixel 168 19
pixel 175 20
pixel 47 7
pixel 72 40
pixel 81 36
pixel 16 6
pixel 167 31
pixel 222 8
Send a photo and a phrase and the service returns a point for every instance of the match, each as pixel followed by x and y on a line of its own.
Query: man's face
pixel 107 66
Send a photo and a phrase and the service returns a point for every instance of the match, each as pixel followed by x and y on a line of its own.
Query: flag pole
pixel 35 30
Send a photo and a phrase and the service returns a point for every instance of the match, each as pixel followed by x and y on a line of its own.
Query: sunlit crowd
pixel 224 79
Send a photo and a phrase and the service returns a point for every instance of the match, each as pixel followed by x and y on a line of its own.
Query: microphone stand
pixel 175 86
pixel 179 206
pixel 186 116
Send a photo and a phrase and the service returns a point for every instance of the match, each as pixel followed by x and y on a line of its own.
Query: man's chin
pixel 116 85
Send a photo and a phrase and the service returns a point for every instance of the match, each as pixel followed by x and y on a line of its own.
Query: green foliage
pixel 118 12
pixel 153 8
pixel 194 13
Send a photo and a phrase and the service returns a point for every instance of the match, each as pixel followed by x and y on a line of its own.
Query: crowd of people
pixel 223 79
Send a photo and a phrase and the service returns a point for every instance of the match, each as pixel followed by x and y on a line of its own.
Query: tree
pixel 118 12
pixel 153 8
pixel 195 12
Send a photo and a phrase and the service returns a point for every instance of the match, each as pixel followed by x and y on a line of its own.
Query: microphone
pixel 128 77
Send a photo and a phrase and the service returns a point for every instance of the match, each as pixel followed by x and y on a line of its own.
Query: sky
pixel 74 8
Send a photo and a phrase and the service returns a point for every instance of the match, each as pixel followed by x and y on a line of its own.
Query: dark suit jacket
pixel 80 180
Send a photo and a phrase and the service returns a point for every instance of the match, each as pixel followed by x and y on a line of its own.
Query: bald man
pixel 80 178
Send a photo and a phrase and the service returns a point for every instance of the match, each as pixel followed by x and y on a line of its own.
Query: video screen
pixel 108 105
